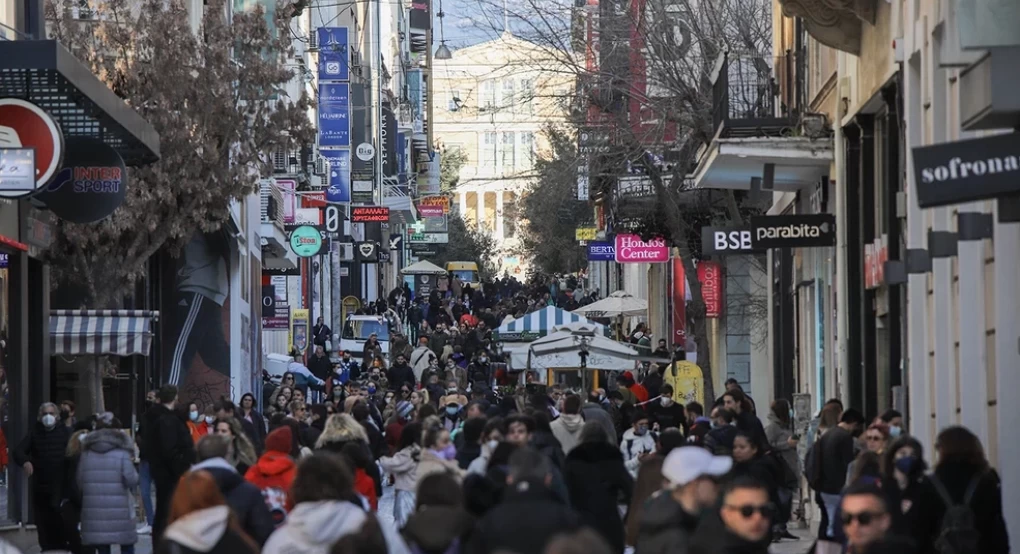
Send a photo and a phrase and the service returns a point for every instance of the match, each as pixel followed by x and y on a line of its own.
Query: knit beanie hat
pixel 280 440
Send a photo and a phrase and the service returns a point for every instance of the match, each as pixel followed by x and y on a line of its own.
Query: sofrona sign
pixel 967 170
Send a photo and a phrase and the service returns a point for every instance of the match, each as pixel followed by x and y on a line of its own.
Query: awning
pixel 539 323
pixel 731 163
pixel 101 332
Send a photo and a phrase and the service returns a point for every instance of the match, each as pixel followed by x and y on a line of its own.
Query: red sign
pixel 875 256
pixel 679 289
pixel 314 199
pixel 710 275
pixel 23 124
pixel 631 249
pixel 430 210
pixel 370 214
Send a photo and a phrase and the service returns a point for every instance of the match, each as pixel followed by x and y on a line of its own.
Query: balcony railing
pixel 271 200
pixel 745 97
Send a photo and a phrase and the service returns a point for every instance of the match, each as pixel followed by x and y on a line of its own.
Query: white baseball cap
pixel 687 463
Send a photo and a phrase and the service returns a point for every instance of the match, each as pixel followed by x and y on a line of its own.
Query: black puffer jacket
pixel 598 482
pixel 168 443
pixel 45 449
pixel 665 528
pixel 712 537
pixel 244 499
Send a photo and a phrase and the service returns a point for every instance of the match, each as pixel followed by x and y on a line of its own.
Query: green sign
pixel 305 241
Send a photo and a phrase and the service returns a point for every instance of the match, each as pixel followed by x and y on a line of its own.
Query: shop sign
pixel 424 250
pixel 305 241
pixel 282 271
pixel 275 323
pixel 17 170
pixel 631 249
pixel 430 238
pixel 967 170
pixel 443 201
pixel 366 252
pixel 396 241
pixel 599 251
pixel 721 241
pixel 875 256
pixel 793 231
pixel 334 115
pixel 585 233
pixel 5 260
pixel 710 275
pixel 679 300
pixel 334 64
pixel 91 185
pixel 339 191
pixel 370 214
pixel 430 210
pixel 424 284
pixel 25 125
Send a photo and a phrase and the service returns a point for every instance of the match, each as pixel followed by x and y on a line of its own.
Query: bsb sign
pixel 967 170
pixel 722 241
pixel 793 231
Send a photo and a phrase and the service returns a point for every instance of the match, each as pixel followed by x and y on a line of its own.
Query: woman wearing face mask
pixel 492 435
pixel 438 452
pixel 453 395
pixel 41 455
pixel 207 425
pixel 903 468
pixel 403 466
pixel 194 422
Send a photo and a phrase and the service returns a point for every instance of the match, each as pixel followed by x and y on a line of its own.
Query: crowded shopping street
pixel 491 277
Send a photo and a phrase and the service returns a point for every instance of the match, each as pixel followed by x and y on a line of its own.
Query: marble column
pixel 480 209
pixel 462 203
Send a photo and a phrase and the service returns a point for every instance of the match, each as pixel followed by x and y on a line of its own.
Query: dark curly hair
pixel 323 476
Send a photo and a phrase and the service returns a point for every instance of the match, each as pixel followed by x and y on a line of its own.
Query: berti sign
pixel 793 231
pixel 967 170
pixel 722 241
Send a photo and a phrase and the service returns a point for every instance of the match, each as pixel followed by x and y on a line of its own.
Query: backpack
pixel 276 501
pixel 813 465
pixel 958 534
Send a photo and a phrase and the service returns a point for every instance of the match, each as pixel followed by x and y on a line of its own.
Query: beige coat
pixel 430 463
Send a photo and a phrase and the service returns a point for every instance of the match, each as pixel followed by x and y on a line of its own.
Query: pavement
pixel 25 539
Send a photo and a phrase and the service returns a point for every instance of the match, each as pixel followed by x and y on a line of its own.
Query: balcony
pixel 397 196
pixel 745 97
pixel 276 252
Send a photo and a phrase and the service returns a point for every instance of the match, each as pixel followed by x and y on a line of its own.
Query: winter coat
pixel 169 445
pixel 665 527
pixel 778 435
pixel 712 537
pixel 548 444
pixel 273 474
pixel 598 482
pixel 537 515
pixel 567 430
pixel 595 412
pixel 106 477
pixel 673 416
pixel 719 440
pixel 256 429
pixel 466 453
pixel 313 528
pixel 45 449
pixel 244 498
pixel 986 504
pixel 403 466
pixel 431 463
pixel 333 440
pixel 436 529
pixel 207 532
pixel 836 448
pixel 633 446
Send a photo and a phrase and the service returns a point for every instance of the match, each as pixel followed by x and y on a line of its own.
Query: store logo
pixel 726 240
pixel 631 249
pixel 967 170
pixel 793 231
pixel 25 125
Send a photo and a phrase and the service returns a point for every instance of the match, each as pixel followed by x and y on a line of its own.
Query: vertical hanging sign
pixel 334 56
pixel 389 141
pixel 710 275
pixel 334 115
pixel 339 191
pixel 679 293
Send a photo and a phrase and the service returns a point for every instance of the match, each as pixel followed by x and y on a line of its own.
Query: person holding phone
pixel 783 443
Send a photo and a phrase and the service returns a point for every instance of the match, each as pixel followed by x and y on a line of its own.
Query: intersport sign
pixel 631 249
pixel 793 231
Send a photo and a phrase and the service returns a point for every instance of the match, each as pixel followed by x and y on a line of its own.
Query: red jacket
pixel 273 474
pixel 393 432
pixel 365 486
pixel 640 392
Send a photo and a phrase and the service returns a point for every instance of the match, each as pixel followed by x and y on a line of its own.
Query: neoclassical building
pixel 492 101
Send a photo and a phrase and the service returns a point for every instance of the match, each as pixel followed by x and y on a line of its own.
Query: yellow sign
pixel 585 233
pixel 688 383
pixel 443 201
pixel 349 305
pixel 300 328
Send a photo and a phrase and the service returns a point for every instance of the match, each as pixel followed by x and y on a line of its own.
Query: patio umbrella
pixel 619 303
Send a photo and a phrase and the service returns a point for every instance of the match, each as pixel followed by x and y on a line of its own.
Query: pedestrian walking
pixel 274 473
pixel 638 443
pixel 598 483
pixel 784 446
pixel 439 522
pixel 107 479
pixel 866 521
pixel 829 459
pixel 245 499
pixel 171 451
pixel 567 427
pixel 665 413
pixel 258 428
pixel 200 521
pixel 438 455
pixel 492 436
pixel 593 410
pixel 341 429
pixel 403 466
pixel 70 505
pixel 41 455
pixel 741 522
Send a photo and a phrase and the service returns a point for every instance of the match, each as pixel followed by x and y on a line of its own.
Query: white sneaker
pixel 144 530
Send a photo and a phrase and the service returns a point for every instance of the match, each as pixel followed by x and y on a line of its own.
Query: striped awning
pixel 101 332
pixel 539 323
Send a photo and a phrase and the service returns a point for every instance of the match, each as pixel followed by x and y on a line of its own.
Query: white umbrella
pixel 561 349
pixel 619 303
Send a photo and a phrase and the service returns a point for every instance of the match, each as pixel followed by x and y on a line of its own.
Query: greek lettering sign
pixel 967 170
pixel 370 214
pixel 793 231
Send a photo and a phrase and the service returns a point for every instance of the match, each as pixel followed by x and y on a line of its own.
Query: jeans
pixel 145 483
pixel 105 549
pixel 830 502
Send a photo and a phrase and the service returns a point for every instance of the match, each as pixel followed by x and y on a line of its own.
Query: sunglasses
pixel 863 518
pixel 748 510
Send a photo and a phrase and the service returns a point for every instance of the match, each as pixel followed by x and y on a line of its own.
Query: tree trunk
pixel 696 311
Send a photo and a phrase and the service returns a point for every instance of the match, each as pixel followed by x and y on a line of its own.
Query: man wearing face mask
pixel 894 419
pixel 666 413
pixel 638 443
pixel 41 456
pixel 171 452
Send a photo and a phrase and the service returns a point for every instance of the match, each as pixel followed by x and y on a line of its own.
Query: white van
pixel 358 328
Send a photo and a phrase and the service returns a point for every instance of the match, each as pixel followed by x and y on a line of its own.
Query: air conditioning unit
pixel 321 166
pixel 279 158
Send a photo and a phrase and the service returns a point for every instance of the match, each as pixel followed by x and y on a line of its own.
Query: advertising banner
pixel 299 329
pixel 420 17
pixel 287 188
pixel 91 185
pixel 334 57
pixel 430 210
pixel 631 249
pixel 679 301
pixel 443 201
pixel 361 131
pixel 430 238
pixel 334 115
pixel 389 141
pixel 585 233
pixel 339 191
pixel 793 231
pixel 370 214
pixel 710 275
pixel 599 251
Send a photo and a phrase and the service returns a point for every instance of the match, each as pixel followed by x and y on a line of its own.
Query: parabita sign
pixel 793 231
pixel 967 170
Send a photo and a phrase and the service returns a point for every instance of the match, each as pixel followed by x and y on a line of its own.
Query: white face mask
pixel 492 445
pixel 209 419
pixel 193 415
pixel 49 420
pixel 665 401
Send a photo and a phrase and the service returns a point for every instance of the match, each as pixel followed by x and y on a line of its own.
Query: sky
pixel 469 22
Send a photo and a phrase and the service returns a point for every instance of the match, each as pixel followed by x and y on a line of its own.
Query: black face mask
pixel 64 414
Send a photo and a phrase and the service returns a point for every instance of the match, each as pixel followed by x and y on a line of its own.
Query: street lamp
pixel 443 52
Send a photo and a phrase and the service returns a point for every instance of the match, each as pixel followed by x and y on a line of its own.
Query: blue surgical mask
pixel 452 411
pixel 791 414
pixel 193 415
pixel 895 431
pixel 371 390
pixel 641 430
pixel 908 465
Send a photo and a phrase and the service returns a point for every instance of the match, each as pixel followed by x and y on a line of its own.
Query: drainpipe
pixel 841 238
